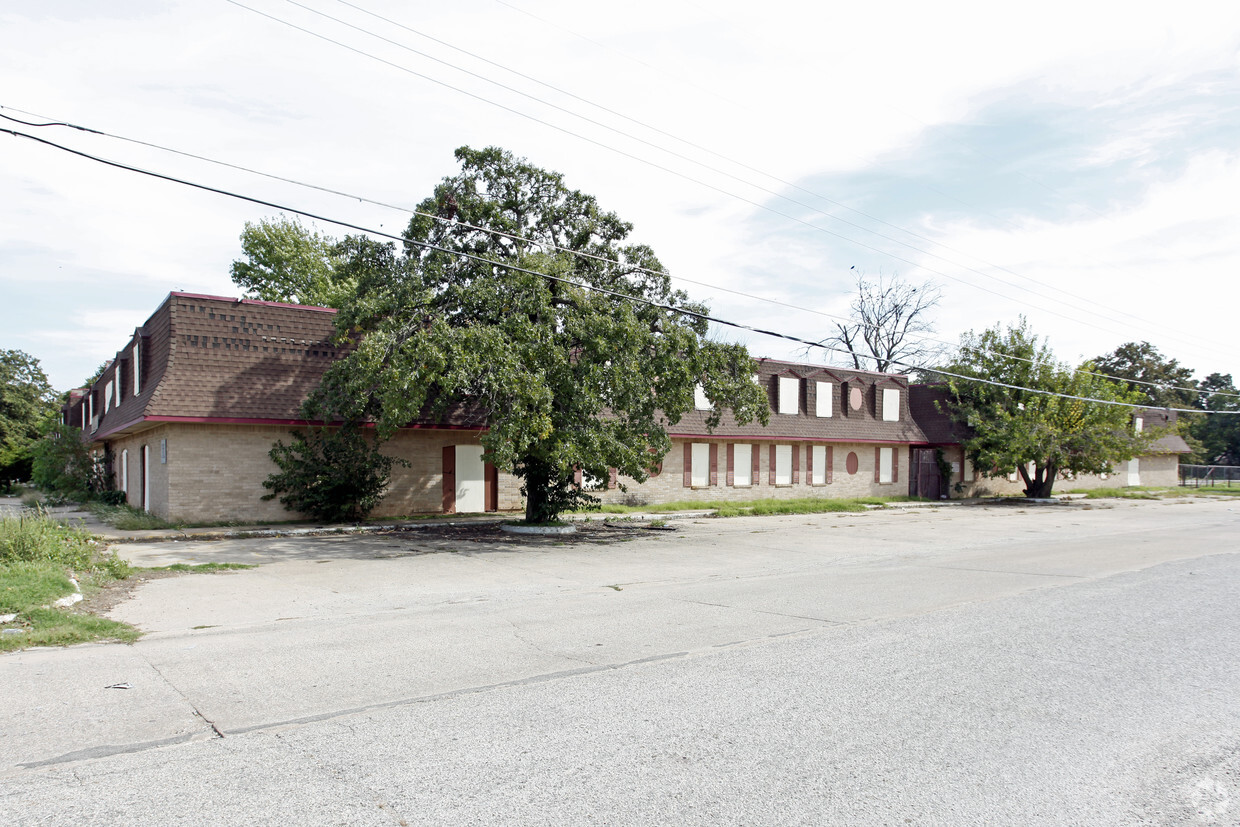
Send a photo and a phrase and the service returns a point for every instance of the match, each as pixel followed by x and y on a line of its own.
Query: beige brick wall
pixel 158 471
pixel 669 485
pixel 215 473
pixel 418 489
pixel 1156 470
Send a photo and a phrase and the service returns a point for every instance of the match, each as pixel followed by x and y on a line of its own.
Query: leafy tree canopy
pixel 566 378
pixel 1218 436
pixel 1022 429
pixel 27 402
pixel 1142 361
pixel 287 262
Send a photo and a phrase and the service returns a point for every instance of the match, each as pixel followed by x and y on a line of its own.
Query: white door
pixel 470 482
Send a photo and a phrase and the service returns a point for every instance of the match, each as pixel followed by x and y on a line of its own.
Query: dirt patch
pixel 101 599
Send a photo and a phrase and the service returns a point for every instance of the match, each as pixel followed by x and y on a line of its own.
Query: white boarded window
pixel 116 400
pixel 137 370
pixel 819 459
pixel 700 402
pixel 886 456
pixel 891 404
pixel 701 465
pixel 742 464
pixel 783 465
pixel 125 470
pixel 825 393
pixel 1138 424
pixel 789 394
pixel 107 397
pixel 968 469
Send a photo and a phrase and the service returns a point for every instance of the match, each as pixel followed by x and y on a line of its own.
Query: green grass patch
pixel 26 585
pixel 1134 493
pixel 1139 492
pixel 38 555
pixel 127 518
pixel 58 627
pixel 805 505
pixel 1207 491
pixel 203 568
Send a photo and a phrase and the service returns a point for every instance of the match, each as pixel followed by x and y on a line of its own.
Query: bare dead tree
pixel 890 323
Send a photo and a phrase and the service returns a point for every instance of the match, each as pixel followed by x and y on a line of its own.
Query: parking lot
pixel 986 664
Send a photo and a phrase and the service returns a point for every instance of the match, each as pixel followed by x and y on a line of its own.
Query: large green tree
pixel 490 305
pixel 1162 382
pixel 27 402
pixel 1218 434
pixel 1024 426
pixel 285 261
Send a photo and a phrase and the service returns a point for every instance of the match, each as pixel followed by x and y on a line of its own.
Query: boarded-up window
pixel 700 476
pixel 891 404
pixel 107 397
pixel 818 465
pixel 824 391
pixel 137 369
pixel 886 459
pixel 1138 424
pixel 783 465
pixel 968 470
pixel 742 464
pixel 789 395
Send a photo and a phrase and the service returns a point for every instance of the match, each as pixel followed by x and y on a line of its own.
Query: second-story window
pixel 789 395
pixel 891 404
pixel 824 392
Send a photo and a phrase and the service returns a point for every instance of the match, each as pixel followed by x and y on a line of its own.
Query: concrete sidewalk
pixel 335 624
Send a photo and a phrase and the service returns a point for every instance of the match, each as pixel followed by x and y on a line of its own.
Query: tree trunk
pixel 1040 485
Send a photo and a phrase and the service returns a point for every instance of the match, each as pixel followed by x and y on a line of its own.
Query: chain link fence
pixel 1196 476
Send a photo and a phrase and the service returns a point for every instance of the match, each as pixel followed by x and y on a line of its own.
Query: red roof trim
pixel 832 440
pixel 233 420
pixel 232 300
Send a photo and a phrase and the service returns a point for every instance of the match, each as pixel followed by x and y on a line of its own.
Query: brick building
pixel 189 409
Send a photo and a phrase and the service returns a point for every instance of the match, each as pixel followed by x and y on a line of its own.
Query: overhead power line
pixel 663 168
pixel 692 144
pixel 555 247
pixel 593 288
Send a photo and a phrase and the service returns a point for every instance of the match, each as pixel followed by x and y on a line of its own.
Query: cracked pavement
pixel 340 653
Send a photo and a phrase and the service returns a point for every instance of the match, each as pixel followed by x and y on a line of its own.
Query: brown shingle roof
pixel 844 424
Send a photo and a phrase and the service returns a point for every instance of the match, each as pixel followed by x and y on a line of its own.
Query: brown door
pixel 926 473
pixel 449 479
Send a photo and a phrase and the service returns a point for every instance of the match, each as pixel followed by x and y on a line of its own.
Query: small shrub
pixel 111 497
pixel 332 474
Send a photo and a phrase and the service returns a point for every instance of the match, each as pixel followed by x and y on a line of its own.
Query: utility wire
pixel 789 184
pixel 593 288
pixel 682 175
pixel 558 248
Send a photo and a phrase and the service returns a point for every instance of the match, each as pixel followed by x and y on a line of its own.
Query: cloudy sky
pixel 1075 162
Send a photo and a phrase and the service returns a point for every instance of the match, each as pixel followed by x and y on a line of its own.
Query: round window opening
pixel 851 463
pixel 854 399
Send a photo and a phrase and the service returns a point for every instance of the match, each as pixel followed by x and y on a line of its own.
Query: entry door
pixel 146 478
pixel 929 479
pixel 470 479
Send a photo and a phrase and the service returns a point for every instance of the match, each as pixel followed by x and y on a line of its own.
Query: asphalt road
pixel 1002 665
